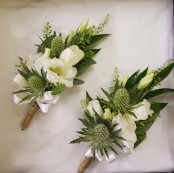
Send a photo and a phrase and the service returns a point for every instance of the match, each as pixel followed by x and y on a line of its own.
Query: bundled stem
pixel 29 116
pixel 84 164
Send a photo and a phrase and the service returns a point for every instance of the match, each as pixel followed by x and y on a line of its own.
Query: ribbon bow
pixel 111 156
pixel 44 101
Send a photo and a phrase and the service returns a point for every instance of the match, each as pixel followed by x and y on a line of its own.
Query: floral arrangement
pixel 57 65
pixel 118 122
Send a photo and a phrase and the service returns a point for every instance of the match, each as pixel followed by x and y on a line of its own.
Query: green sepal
pixel 157 92
pixel 78 82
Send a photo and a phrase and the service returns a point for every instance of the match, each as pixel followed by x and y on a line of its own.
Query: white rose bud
pixel 47 52
pixel 145 81
pixel 124 80
pixel 70 35
pixel 107 114
pixel 72 55
pixel 83 26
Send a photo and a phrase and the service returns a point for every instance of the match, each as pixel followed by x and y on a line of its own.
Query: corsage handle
pixel 84 164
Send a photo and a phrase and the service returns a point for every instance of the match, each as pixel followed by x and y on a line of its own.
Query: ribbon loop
pixel 111 155
pixel 44 101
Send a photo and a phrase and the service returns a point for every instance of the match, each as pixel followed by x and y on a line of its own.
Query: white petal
pixel 128 127
pixel 72 55
pixel 94 104
pixel 142 110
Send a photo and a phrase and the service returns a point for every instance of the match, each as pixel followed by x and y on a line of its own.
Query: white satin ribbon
pixel 44 101
pixel 111 155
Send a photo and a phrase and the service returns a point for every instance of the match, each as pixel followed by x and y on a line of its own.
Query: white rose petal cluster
pixel 125 122
pixel 59 69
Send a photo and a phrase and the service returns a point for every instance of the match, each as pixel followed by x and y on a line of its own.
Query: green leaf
pixel 164 73
pixel 107 94
pixel 98 37
pixel 140 139
pixel 80 139
pixel 78 82
pixel 83 65
pixel 58 88
pixel 88 97
pixel 131 81
pixel 158 92
pixel 91 52
pixel 46 43
pixel 141 75
pixel 158 106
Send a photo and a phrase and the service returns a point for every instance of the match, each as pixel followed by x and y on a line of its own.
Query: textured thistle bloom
pixel 58 64
pixel 128 109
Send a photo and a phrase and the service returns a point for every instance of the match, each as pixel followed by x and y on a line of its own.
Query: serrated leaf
pixel 78 82
pixel 83 65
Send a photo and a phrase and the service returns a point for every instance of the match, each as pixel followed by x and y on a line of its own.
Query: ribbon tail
pixel 44 107
pixel 111 157
pixel 97 154
pixel 17 100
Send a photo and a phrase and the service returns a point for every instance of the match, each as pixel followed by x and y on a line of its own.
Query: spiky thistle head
pixel 37 83
pixel 101 134
pixel 121 99
pixel 57 46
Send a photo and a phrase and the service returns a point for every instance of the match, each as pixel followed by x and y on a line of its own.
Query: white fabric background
pixel 142 35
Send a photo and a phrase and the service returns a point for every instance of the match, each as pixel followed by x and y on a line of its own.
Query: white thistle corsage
pixel 119 123
pixel 57 65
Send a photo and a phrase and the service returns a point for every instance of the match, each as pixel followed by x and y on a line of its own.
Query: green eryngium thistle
pixel 57 46
pixel 36 83
pixel 101 134
pixel 121 99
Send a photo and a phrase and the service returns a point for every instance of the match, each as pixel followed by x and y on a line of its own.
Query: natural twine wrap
pixel 84 164
pixel 29 116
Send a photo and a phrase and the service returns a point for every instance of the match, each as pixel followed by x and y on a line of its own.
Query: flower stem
pixel 29 116
pixel 84 164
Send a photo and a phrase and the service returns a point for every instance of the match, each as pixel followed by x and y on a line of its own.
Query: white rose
pixel 127 125
pixel 142 110
pixel 57 70
pixel 94 105
pixel 72 55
